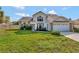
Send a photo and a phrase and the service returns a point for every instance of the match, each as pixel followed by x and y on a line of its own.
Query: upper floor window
pixel 39 18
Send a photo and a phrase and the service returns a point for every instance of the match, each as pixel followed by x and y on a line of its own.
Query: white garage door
pixel 61 27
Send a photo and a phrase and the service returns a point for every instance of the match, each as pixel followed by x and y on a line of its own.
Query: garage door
pixel 61 27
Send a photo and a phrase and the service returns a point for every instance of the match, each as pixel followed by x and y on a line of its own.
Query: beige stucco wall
pixel 51 18
pixel 24 21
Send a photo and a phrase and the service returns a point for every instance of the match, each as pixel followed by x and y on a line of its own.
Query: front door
pixel 40 26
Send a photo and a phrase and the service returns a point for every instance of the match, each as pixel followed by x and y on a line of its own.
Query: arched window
pixel 39 18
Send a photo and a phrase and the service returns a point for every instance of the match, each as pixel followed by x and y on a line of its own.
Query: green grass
pixel 16 41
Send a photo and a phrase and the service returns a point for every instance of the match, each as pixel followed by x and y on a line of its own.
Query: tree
pixel 15 23
pixel 0 8
pixel 1 18
pixel 70 19
pixel 1 21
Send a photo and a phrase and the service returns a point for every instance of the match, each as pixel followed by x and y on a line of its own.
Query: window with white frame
pixel 40 18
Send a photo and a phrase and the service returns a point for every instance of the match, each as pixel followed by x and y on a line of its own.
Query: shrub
pixel 21 28
pixel 44 29
pixel 25 28
pixel 76 29
pixel 55 33
pixel 41 29
pixel 28 27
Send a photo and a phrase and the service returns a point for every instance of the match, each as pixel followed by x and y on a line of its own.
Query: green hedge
pixel 55 33
pixel 76 29
pixel 41 29
pixel 25 28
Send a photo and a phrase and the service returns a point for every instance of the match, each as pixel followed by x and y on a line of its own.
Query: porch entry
pixel 40 26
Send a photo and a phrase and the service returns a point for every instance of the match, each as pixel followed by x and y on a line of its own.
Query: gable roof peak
pixel 39 12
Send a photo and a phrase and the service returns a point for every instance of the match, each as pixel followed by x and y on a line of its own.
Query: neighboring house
pixel 50 22
pixel 76 23
pixel 25 20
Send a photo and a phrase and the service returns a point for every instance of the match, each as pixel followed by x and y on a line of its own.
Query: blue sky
pixel 16 12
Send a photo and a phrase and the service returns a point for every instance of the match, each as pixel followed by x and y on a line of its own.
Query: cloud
pixel 65 8
pixel 27 15
pixel 19 7
pixel 45 9
pixel 52 12
pixel 22 14
pixel 17 18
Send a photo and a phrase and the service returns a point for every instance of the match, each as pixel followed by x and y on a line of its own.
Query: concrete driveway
pixel 71 35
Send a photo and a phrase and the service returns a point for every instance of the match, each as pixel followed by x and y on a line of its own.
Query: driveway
pixel 71 35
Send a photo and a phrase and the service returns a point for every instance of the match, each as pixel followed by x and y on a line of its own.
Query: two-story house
pixel 50 22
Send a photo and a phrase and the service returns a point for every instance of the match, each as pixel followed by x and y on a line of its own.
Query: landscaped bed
pixel 18 41
pixel 76 30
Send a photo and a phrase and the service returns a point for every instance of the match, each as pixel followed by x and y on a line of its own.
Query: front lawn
pixel 27 41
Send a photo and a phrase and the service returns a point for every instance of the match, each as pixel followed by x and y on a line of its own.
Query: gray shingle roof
pixel 26 18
